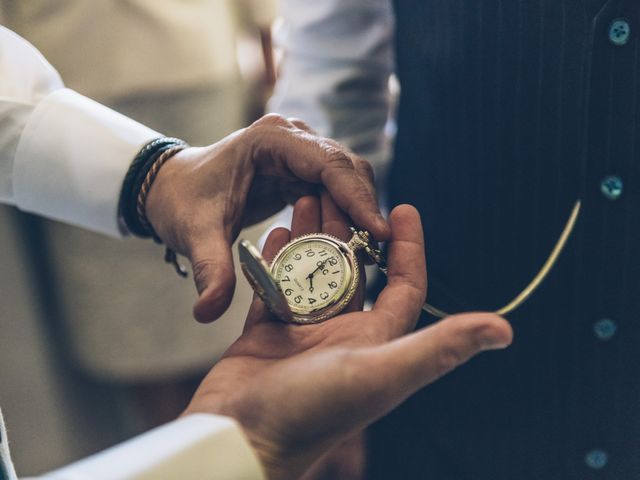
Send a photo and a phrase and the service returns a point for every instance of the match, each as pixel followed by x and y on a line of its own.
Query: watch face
pixel 313 273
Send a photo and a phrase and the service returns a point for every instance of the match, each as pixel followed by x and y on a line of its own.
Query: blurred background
pixel 91 321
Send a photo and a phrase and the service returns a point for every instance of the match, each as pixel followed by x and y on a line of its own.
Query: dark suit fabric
pixel 510 111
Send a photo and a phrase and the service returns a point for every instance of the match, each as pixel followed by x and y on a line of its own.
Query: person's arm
pixel 198 446
pixel 62 155
pixel 65 157
pixel 337 60
pixel 195 447
pixel 299 391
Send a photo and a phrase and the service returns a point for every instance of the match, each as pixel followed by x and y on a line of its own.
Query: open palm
pixel 297 390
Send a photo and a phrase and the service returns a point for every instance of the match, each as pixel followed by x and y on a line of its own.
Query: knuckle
pixel 361 197
pixel 338 157
pixel 266 125
pixel 201 269
pixel 336 144
pixel 299 123
pixel 271 119
pixel 365 167
pixel 306 203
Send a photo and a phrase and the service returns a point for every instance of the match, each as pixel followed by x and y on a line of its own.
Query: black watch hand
pixel 310 276
pixel 321 265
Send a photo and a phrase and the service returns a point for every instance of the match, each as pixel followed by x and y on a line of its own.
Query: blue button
pixel 596 459
pixel 605 329
pixel 619 32
pixel 611 187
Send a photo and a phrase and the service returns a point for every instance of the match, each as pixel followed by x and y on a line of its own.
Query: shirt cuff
pixel 197 446
pixel 72 158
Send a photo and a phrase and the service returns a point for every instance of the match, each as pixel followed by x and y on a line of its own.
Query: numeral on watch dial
pixel 314 274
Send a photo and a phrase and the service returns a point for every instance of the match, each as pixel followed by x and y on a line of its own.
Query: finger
pixel 400 302
pixel 353 192
pixel 277 238
pixel 214 276
pixel 334 221
pixel 357 302
pixel 407 364
pixel 319 160
pixel 302 125
pixel 365 170
pixel 306 217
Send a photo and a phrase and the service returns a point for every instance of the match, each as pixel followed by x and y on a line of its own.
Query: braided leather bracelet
pixel 136 186
pixel 133 181
pixel 141 205
pixel 141 202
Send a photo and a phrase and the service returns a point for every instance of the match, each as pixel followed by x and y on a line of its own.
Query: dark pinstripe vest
pixel 510 110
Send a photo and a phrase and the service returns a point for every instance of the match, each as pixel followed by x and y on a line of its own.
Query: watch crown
pixel 361 240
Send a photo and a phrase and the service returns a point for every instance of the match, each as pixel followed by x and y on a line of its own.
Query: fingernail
pixel 494 344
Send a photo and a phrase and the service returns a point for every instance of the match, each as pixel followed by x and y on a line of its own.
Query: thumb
pixel 407 364
pixel 214 275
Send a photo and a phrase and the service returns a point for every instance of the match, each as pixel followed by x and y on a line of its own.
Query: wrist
pixel 277 462
pixel 136 186
pixel 137 182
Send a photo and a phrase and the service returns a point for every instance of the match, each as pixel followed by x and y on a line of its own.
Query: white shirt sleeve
pixel 337 60
pixel 195 447
pixel 6 466
pixel 62 155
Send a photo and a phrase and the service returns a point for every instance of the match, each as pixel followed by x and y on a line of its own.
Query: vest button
pixel 619 32
pixel 605 329
pixel 596 459
pixel 611 187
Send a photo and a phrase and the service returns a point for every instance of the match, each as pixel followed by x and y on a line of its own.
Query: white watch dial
pixel 311 274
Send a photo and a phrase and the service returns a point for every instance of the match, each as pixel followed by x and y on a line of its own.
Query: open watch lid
pixel 258 273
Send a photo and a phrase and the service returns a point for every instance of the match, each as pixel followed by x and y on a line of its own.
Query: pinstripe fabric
pixel 510 110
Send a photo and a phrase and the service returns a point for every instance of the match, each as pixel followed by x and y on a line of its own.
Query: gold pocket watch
pixel 312 278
